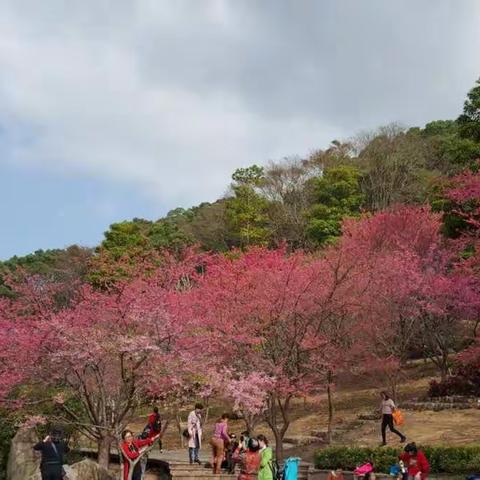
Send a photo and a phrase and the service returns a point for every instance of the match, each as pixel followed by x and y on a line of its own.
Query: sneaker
pixel 198 461
pixel 403 439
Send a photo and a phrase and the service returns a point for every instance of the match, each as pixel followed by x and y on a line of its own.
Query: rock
pixel 321 435
pixel 87 470
pixel 23 461
pixel 369 416
pixel 300 440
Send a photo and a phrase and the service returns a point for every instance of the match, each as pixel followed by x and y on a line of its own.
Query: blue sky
pixel 114 109
pixel 47 210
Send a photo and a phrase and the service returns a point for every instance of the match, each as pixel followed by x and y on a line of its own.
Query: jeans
pixel 193 454
pixel 387 421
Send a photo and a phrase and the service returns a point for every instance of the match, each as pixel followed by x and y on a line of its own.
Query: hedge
pixel 454 460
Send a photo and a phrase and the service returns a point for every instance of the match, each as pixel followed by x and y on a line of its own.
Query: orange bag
pixel 398 418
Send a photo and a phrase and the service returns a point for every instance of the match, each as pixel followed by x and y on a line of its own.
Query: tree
pixel 67 266
pixel 395 168
pixel 469 120
pixel 262 311
pixel 249 393
pixel 287 188
pixel 130 238
pixel 246 210
pixel 109 350
pixel 337 195
pixel 209 226
pixel 448 152
pixel 403 287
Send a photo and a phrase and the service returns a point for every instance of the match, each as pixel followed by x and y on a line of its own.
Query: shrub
pixel 466 376
pixel 7 431
pixel 453 460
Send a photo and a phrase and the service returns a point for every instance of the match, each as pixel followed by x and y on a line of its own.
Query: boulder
pixel 87 470
pixel 23 461
pixel 301 440
pixel 321 435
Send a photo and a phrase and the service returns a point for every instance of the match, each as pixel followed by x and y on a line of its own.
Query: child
pixel 416 463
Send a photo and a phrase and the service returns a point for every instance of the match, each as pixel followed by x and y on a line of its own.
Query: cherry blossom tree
pixel 404 288
pixel 264 313
pixel 103 350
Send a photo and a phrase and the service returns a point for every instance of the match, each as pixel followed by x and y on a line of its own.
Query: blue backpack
pixel 290 469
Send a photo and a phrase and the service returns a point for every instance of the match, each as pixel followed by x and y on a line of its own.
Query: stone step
pixel 204 472
pixel 210 476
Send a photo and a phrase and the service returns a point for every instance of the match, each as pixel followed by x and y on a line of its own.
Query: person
pixel 416 463
pixel 244 438
pixel 131 451
pixel 228 463
pixel 155 425
pixel 388 407
pixel 194 427
pixel 336 474
pixel 219 440
pixel 53 448
pixel 266 459
pixel 249 460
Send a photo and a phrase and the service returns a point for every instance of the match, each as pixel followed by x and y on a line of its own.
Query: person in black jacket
pixel 53 449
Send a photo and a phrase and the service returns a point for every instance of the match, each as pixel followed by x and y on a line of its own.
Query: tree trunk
pixel 330 407
pixel 178 421
pixel 104 445
pixel 278 446
pixel 444 366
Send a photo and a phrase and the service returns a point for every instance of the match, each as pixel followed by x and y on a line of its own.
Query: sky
pixel 111 110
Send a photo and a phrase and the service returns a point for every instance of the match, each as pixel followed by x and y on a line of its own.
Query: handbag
pixel 398 418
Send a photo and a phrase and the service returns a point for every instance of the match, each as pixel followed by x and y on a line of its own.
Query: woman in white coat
pixel 194 426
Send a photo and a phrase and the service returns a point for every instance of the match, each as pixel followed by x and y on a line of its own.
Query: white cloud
pixel 173 96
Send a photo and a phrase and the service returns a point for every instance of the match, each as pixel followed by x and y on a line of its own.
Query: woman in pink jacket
pixel 218 442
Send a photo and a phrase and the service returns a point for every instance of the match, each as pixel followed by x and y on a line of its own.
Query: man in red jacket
pixel 415 462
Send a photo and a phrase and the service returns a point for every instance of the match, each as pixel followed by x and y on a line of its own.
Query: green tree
pixel 139 236
pixel 450 152
pixel 469 120
pixel 337 196
pixel 247 210
pixel 207 224
pixel 67 266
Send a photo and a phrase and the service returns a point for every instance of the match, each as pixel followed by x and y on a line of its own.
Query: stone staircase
pixel 184 471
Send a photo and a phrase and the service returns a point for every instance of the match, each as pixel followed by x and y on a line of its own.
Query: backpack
pixel 157 425
pixel 145 433
pixel 277 472
pixel 363 469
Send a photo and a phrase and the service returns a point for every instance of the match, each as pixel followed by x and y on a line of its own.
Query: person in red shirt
pixel 249 460
pixel 415 462
pixel 131 451
pixel 155 425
